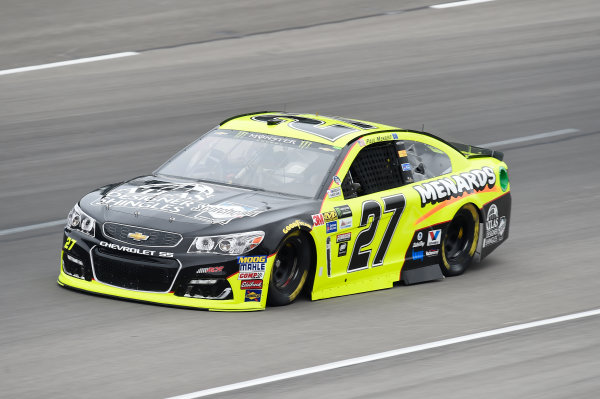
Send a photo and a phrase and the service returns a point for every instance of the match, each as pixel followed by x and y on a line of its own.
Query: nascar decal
pixel 296 224
pixel 445 188
pixel 494 227
pixel 136 250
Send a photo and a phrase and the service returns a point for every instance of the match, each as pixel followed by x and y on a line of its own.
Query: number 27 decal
pixel 371 209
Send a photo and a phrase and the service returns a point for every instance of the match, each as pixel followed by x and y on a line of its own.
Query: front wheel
pixel 290 270
pixel 460 241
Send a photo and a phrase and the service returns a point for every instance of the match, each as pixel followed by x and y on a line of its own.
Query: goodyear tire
pixel 290 270
pixel 460 241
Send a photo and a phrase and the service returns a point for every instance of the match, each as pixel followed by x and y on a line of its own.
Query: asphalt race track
pixel 481 73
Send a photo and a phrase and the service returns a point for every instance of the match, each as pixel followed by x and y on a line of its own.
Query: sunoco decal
pixel 252 296
pixel 448 187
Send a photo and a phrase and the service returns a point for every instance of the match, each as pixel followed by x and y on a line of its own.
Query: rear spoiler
pixel 471 151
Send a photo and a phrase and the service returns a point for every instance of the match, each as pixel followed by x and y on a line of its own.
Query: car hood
pixel 187 206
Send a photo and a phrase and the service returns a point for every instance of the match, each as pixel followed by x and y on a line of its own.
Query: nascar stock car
pixel 269 204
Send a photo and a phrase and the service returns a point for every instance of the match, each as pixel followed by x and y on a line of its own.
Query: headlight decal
pixel 80 221
pixel 229 244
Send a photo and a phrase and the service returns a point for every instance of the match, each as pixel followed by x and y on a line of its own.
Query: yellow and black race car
pixel 269 204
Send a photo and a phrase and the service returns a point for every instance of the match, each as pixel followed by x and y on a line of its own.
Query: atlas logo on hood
pixel 190 200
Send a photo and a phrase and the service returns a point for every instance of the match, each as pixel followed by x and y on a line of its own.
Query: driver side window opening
pixel 375 168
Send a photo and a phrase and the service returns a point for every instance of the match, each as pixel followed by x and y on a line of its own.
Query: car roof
pixel 336 131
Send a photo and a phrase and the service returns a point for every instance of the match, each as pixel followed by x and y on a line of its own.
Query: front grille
pixel 134 272
pixel 156 238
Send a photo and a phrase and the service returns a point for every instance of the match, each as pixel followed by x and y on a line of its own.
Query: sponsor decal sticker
pixel 343 211
pixel 331 227
pixel 137 251
pixel 251 284
pixel 394 136
pixel 443 189
pixel 361 142
pixel 342 249
pixel 210 270
pixel 420 235
pixel 318 220
pixel 295 225
pixel 432 252
pixel 418 244
pixel 252 295
pixel 402 153
pixel 345 223
pixel 334 192
pixel 494 227
pixel 224 212
pixel 406 167
pixel 251 275
pixel 417 255
pixel 337 180
pixel 343 237
pixel 252 263
pixel 329 216
pixel 434 237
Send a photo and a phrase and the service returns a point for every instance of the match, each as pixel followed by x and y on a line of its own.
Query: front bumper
pixel 85 275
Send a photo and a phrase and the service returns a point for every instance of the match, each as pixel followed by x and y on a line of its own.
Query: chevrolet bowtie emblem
pixel 138 236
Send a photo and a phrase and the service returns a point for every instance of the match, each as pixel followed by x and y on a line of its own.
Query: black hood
pixel 187 206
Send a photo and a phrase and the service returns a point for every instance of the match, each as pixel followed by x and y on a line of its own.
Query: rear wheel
pixel 460 241
pixel 290 270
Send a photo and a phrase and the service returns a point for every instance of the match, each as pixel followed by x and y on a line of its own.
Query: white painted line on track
pixel 385 355
pixel 529 138
pixel 32 227
pixel 65 63
pixel 459 3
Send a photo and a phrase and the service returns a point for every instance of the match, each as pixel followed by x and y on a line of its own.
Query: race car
pixel 271 204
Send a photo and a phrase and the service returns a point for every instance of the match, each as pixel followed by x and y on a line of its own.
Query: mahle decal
pixel 441 190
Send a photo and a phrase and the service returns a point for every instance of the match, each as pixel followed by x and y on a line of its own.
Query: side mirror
pixel 420 169
pixel 356 188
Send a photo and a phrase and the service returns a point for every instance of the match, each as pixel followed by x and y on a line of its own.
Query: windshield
pixel 254 160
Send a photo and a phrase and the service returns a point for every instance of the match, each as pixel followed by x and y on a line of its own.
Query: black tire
pixel 290 270
pixel 460 241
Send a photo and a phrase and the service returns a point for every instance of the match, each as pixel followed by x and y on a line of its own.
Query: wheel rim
pixel 460 241
pixel 286 265
pixel 458 238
